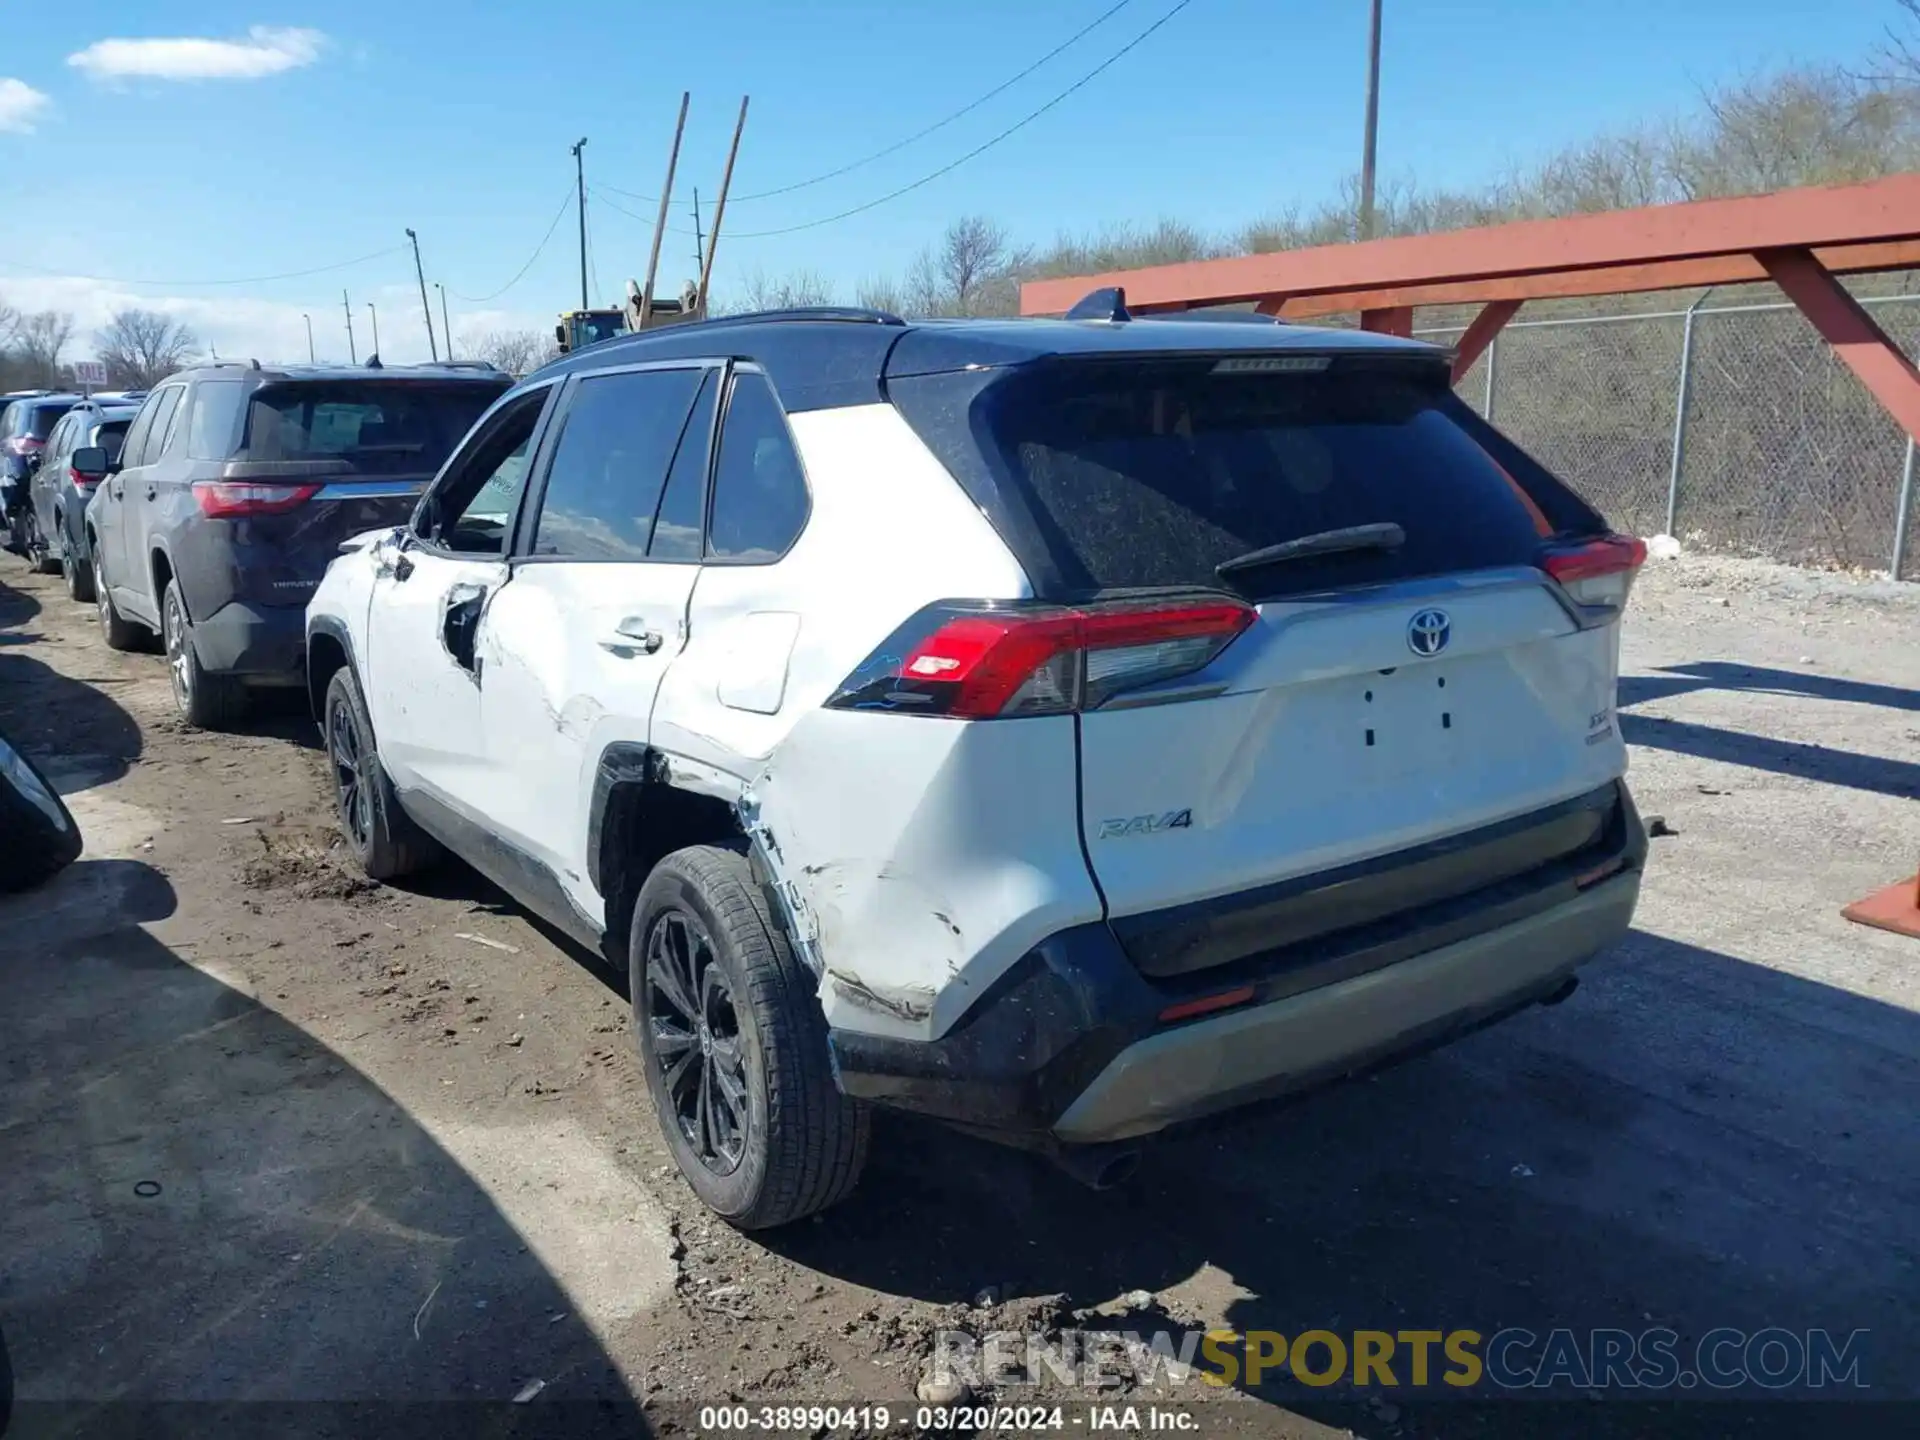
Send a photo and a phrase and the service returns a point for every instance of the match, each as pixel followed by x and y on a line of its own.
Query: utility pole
pixel 309 319
pixel 1373 125
pixel 446 327
pixel 376 328
pixel 353 356
pixel 720 208
pixel 426 310
pixel 580 183
pixel 660 223
pixel 699 241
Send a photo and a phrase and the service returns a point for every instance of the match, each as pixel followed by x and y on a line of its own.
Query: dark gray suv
pixel 231 494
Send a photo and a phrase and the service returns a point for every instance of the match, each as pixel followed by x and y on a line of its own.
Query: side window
pixel 676 531
pixel 137 433
pixel 759 490
pixel 57 443
pixel 617 439
pixel 160 427
pixel 471 511
pixel 213 419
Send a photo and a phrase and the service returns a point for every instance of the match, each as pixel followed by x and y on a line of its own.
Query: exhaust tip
pixel 1099 1167
pixel 1563 992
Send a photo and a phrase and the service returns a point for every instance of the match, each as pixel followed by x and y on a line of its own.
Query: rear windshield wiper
pixel 1382 536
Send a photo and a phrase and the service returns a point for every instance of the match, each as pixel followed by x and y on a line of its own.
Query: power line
pixel 193 284
pixel 977 150
pixel 940 124
pixel 598 194
pixel 565 200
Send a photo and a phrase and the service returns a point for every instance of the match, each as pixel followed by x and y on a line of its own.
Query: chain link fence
pixel 1733 427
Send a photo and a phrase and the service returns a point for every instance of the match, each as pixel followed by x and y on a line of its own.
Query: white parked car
pixel 1062 728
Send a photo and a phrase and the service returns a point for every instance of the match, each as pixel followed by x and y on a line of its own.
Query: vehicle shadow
pixel 1761 679
pixel 1879 774
pixel 204 1203
pixel 76 732
pixel 17 607
pixel 1692 1141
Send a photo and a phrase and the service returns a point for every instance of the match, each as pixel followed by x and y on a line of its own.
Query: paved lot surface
pixel 267 1132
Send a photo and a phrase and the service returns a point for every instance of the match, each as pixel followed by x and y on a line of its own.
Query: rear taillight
pixel 82 482
pixel 229 500
pixel 1597 573
pixel 982 660
pixel 25 445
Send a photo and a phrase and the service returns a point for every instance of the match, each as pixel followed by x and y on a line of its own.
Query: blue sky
pixel 309 133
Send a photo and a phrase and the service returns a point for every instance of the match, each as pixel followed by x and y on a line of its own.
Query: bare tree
pixel 798 288
pixel 880 293
pixel 9 325
pixel 1897 57
pixel 39 340
pixel 518 352
pixel 140 348
pixel 970 270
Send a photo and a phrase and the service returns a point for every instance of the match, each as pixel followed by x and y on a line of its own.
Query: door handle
pixel 632 634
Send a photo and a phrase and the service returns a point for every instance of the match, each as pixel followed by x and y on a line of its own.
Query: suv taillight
pixel 24 445
pixel 230 500
pixel 1598 572
pixel 982 660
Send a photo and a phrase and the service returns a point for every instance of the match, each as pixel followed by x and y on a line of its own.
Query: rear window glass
pixel 40 419
pixel 1128 475
pixel 378 430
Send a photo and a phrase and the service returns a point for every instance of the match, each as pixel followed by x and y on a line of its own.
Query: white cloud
pixel 20 105
pixel 267 50
pixel 242 327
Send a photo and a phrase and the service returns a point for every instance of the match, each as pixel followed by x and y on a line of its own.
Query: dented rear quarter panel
pixel 920 858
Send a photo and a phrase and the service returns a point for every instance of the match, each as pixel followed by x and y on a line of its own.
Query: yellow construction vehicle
pixel 578 328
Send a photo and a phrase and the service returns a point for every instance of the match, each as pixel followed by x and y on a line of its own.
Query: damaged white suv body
pixel 1061 728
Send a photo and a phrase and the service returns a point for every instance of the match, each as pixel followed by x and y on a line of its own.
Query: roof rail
pixel 854 314
pixel 1228 317
pixel 458 365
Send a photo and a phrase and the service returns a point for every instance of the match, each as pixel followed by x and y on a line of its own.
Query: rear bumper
pixel 1069 1046
pixel 1297 1043
pixel 258 642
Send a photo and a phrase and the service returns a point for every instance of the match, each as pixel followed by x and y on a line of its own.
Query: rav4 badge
pixel 1146 824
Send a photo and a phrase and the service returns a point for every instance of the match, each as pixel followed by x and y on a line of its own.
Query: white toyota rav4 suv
pixel 1061 728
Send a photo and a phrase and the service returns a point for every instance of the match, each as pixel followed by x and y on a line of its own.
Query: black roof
pixel 826 357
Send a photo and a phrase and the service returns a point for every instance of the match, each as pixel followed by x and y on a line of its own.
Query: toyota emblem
pixel 1428 632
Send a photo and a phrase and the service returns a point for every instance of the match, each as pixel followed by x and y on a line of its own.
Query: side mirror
pixel 90 462
pixel 560 336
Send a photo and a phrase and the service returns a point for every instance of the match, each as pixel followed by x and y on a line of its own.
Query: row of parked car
pixel 199 517
pixel 1060 728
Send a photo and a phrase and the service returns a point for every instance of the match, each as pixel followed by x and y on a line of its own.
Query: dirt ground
pixel 268 1132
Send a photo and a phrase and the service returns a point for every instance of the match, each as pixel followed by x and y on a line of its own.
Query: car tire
pixel 119 632
pixel 205 700
pixel 722 1004
pixel 77 571
pixel 383 837
pixel 37 835
pixel 39 557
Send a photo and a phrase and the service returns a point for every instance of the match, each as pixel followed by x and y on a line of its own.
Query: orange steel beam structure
pixel 1800 239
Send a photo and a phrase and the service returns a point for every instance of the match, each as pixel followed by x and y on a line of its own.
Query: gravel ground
pixel 268 1132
